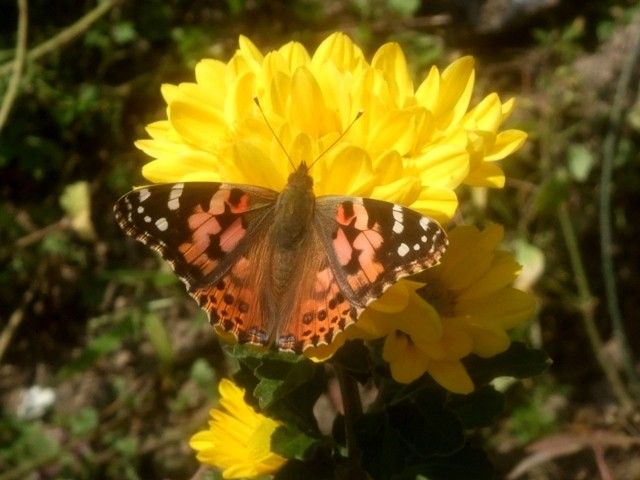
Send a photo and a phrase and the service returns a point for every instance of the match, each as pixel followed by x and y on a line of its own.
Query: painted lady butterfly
pixel 285 268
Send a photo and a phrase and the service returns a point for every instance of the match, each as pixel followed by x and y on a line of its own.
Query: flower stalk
pixel 586 307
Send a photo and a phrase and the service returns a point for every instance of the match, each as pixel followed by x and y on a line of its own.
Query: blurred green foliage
pixel 104 321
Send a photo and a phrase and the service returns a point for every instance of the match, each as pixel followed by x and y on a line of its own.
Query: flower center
pixel 439 297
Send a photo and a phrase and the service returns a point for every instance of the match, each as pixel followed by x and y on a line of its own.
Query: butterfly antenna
pixel 358 115
pixel 275 135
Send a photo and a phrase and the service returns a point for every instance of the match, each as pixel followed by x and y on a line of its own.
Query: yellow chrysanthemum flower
pixel 238 440
pixel 411 146
pixel 462 306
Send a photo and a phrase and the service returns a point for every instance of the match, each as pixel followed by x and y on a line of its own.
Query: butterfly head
pixel 300 179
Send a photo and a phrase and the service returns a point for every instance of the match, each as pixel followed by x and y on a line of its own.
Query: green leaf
pixel 101 346
pixel 76 202
pixel 404 8
pixel 478 409
pixel 532 259
pixel 580 161
pixel 277 379
pixel 518 361
pixel 202 373
pixel 84 421
pixel 290 442
pixel 123 32
pixel 159 338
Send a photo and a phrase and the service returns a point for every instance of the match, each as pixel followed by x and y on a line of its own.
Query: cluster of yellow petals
pixel 411 146
pixel 238 440
pixel 464 305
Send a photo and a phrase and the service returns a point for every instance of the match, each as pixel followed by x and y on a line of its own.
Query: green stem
pixel 586 306
pixel 17 64
pixel 609 151
pixel 65 36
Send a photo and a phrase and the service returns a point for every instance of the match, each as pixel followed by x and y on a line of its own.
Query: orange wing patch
pixel 319 309
pixel 234 304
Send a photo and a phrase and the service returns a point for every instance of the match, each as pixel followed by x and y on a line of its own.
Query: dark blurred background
pixel 106 367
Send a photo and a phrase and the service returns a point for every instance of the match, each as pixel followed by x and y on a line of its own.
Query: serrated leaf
pixel 478 409
pixel 518 361
pixel 290 442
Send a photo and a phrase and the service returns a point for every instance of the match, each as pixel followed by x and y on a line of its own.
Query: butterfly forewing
pixel 371 244
pixel 200 228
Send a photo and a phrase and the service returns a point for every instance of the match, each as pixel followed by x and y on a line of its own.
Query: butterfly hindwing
pixel 371 244
pixel 317 307
pixel 236 302
pixel 200 228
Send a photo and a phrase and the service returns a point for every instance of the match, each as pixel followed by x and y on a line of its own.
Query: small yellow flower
pixel 462 306
pixel 238 440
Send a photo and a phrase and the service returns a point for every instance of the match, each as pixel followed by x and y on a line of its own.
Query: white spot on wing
pixel 140 209
pixel 403 249
pixel 162 224
pixel 424 223
pixel 398 227
pixel 174 196
pixel 416 247
pixel 424 238
pixel 144 194
pixel 147 218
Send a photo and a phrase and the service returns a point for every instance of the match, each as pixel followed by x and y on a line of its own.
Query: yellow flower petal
pixel 488 340
pixel 452 376
pixel 406 362
pixel 503 271
pixel 456 85
pixel 486 175
pixel 339 50
pixel 391 61
pixel 469 255
pixel 506 143
pixel 508 307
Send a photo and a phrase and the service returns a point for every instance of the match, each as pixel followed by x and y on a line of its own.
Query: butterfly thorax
pixel 290 233
pixel 294 210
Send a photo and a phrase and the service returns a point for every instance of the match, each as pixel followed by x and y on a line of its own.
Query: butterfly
pixel 280 268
